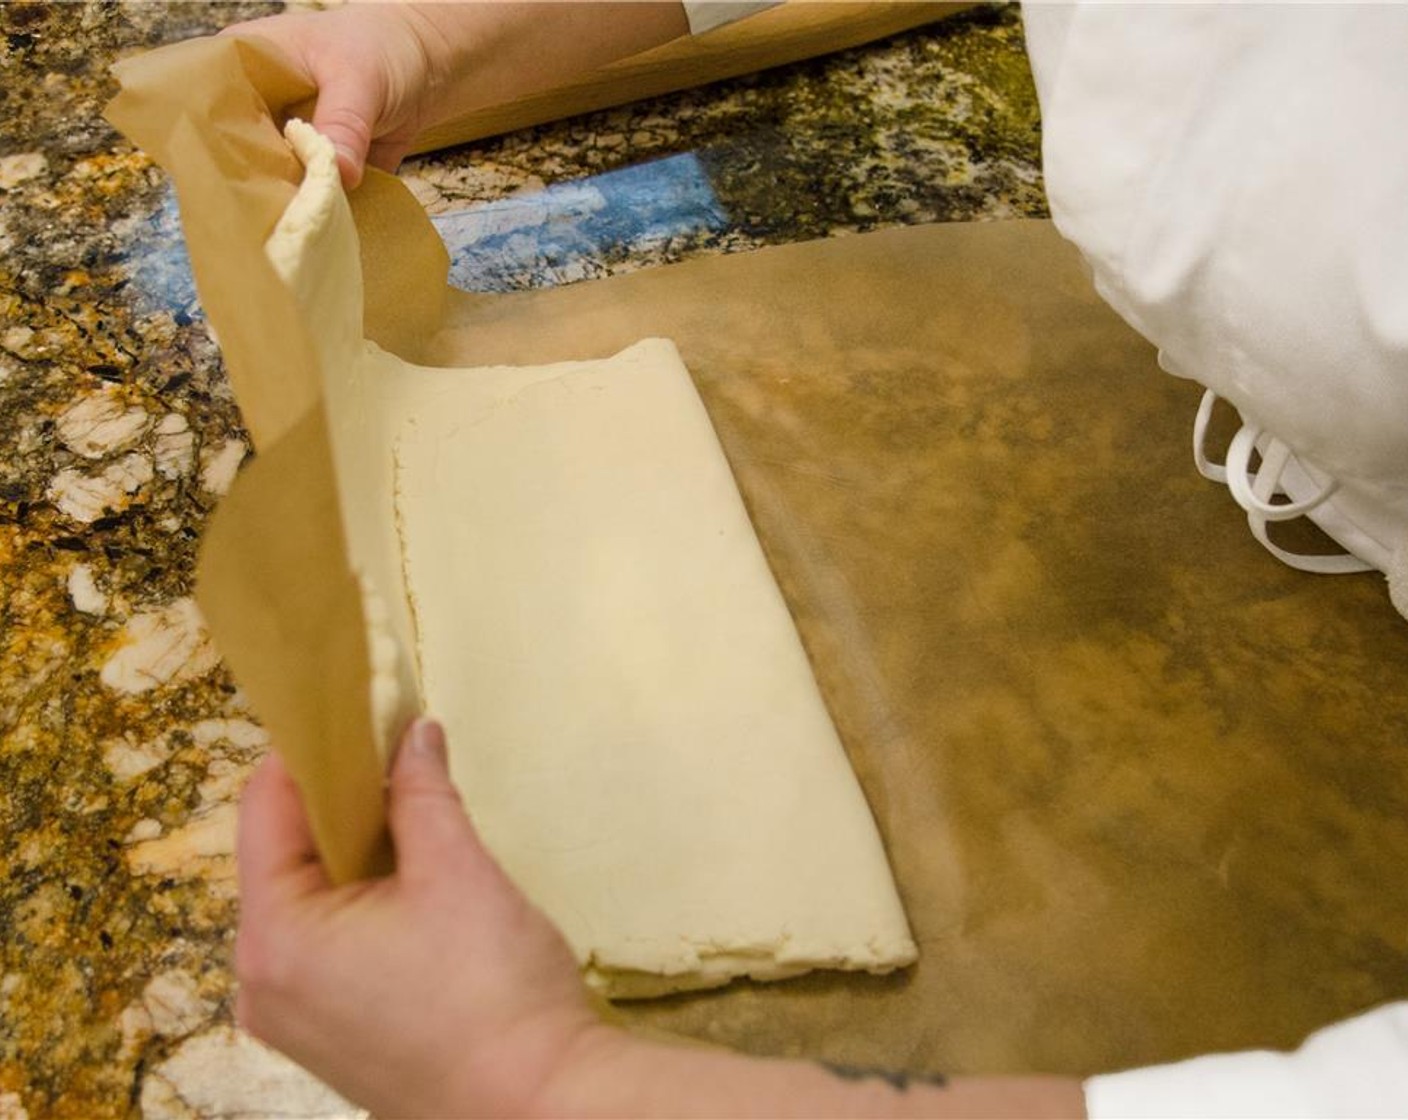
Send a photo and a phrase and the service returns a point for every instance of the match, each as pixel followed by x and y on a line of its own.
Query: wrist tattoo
pixel 896 1079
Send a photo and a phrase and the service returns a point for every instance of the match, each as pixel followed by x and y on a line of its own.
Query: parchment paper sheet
pixel 1143 788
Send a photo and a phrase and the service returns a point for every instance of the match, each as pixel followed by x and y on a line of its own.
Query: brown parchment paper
pixel 274 581
pixel 1143 788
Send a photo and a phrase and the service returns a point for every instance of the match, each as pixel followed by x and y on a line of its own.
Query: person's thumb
pixel 429 828
pixel 347 113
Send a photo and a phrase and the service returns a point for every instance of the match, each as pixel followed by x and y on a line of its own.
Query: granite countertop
pixel 123 741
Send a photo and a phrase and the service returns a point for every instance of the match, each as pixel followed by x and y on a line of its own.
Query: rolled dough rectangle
pixel 632 718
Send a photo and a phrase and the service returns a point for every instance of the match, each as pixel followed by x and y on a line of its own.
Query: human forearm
pixel 497 52
pixel 611 1074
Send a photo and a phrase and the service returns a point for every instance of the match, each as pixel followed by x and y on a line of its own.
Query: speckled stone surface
pixel 936 125
pixel 123 743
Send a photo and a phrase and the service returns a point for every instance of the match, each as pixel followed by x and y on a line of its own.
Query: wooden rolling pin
pixel 779 35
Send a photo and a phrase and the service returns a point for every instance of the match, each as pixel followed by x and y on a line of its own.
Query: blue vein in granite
pixel 550 233
pixel 158 265
pixel 573 222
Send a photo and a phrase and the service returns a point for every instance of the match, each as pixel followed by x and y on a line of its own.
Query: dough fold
pixel 561 566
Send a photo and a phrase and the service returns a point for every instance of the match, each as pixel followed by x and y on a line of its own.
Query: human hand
pixel 387 72
pixel 377 68
pixel 437 991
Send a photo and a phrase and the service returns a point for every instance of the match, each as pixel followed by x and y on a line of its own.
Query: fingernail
pixel 348 167
pixel 428 741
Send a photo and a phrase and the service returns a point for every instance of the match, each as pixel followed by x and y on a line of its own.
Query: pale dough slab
pixel 633 722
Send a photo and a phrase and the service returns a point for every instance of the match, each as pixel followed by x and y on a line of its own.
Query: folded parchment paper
pixel 1142 787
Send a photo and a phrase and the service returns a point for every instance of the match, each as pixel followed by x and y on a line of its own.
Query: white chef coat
pixel 1237 178
pixel 1236 175
pixel 705 15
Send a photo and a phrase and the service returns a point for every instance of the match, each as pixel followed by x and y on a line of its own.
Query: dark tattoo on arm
pixel 897 1080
